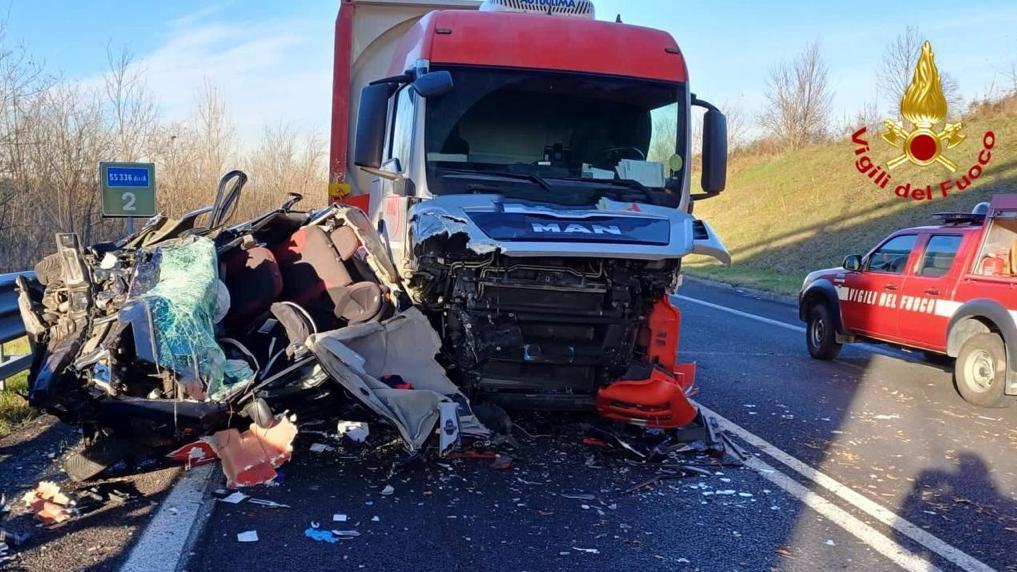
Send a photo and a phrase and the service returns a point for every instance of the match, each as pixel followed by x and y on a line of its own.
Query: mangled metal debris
pixel 197 341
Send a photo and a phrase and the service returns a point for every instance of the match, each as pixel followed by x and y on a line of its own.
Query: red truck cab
pixel 949 289
pixel 529 170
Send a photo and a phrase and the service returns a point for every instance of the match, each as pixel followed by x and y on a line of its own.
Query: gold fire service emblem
pixel 924 106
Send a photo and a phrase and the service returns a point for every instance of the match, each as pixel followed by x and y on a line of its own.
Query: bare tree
pixel 286 162
pixel 799 100
pixel 131 106
pixel 665 134
pixel 737 126
pixel 898 69
pixel 215 132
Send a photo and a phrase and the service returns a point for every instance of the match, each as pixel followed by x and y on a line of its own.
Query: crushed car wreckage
pixel 193 333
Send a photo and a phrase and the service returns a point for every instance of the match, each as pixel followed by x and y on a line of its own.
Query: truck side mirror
pixel 433 84
pixel 714 152
pixel 371 120
pixel 853 263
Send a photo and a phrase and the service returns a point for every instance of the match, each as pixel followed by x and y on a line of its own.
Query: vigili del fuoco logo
pixel 925 144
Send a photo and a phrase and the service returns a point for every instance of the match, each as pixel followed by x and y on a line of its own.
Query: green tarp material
pixel 182 305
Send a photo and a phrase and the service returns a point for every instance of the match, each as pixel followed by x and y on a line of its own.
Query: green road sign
pixel 128 189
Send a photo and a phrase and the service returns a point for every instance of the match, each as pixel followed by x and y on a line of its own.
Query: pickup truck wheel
pixel 821 334
pixel 980 372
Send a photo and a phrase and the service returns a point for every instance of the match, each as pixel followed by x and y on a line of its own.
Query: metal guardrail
pixel 11 328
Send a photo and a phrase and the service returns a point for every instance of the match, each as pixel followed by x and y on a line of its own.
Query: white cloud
pixel 269 72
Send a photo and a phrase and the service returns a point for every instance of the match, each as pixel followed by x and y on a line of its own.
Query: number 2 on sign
pixel 129 200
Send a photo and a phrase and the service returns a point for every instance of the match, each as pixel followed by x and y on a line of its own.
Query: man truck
pixel 529 168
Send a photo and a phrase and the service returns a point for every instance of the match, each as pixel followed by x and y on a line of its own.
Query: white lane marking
pixel 778 323
pixel 162 545
pixel 861 502
pixel 876 540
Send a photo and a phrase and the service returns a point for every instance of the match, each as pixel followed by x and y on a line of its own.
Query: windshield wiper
pixel 627 183
pixel 505 174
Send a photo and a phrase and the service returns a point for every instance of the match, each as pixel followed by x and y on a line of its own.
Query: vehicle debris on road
pixel 250 458
pixel 49 504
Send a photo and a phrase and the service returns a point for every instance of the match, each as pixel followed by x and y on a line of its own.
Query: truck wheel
pixel 980 372
pixel 95 458
pixel 821 334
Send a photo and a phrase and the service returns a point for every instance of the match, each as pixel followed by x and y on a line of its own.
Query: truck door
pixel 391 193
pixel 871 304
pixel 928 292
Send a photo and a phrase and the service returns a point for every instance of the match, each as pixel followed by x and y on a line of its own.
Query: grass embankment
pixel 14 410
pixel 783 216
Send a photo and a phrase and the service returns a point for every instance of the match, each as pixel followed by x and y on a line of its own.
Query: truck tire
pixel 980 371
pixel 821 334
pixel 95 458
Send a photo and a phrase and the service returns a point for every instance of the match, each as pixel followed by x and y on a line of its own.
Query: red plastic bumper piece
pixel 660 400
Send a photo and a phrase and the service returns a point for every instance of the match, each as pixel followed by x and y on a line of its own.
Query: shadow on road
pixel 969 488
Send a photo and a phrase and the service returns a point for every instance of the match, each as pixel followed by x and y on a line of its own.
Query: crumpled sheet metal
pixel 182 304
pixel 405 345
pixel 251 458
pixel 429 223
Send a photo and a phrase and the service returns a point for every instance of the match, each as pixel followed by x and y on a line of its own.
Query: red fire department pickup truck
pixel 947 289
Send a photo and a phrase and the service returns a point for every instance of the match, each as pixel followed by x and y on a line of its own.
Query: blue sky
pixel 272 59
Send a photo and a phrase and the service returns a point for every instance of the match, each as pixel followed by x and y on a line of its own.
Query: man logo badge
pixel 575 228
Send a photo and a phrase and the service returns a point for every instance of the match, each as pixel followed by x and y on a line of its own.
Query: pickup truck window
pixel 939 254
pixel 998 256
pixel 892 256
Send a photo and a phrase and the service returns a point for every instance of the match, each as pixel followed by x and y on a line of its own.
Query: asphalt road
pixel 101 537
pixel 909 474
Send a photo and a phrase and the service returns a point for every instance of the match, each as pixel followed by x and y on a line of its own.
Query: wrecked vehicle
pixel 184 329
pixel 529 167
pixel 518 206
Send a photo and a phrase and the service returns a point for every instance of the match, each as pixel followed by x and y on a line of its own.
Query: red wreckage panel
pixel 659 399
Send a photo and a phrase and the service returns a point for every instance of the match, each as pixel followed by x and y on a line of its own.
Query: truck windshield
pixel 556 135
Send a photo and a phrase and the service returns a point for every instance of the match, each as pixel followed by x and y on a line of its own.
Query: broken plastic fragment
pixel 449 428
pixel 194 454
pixel 268 503
pixel 319 535
pixel 49 504
pixel 248 536
pixel 389 489
pixel 250 458
pixel 339 517
pixel 586 550
pixel 235 498
pixel 356 431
